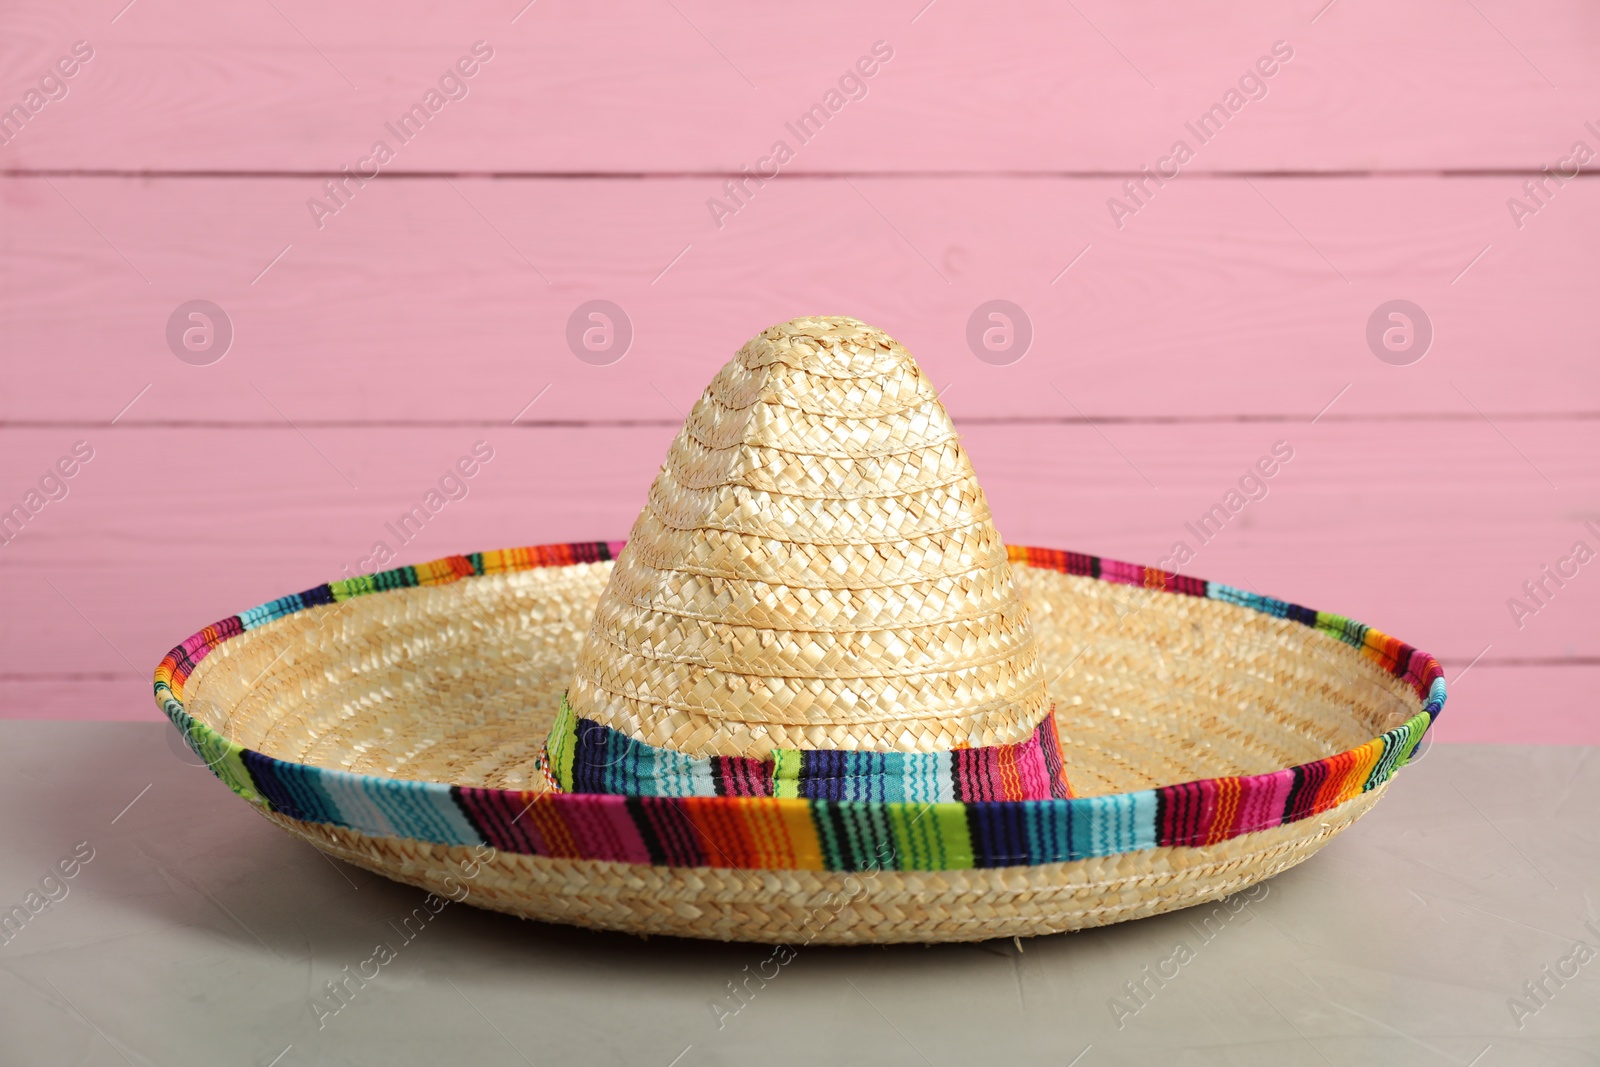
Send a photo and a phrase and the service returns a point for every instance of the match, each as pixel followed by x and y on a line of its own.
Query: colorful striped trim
pixel 781 833
pixel 584 756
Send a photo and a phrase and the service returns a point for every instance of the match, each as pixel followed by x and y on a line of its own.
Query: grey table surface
pixel 1458 923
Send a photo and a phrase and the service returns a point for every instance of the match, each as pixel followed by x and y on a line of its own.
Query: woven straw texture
pixel 459 682
pixel 815 568
pixel 434 680
pixel 830 907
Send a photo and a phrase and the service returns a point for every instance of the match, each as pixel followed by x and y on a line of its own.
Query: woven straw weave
pixel 460 682
pixel 437 683
pixel 815 568
pixel 839 908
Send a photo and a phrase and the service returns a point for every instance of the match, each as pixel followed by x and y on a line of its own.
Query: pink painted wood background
pixel 1228 313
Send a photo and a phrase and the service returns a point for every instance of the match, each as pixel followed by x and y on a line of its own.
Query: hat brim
pixel 1214 738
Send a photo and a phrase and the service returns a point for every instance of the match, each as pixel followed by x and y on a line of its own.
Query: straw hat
pixel 814 699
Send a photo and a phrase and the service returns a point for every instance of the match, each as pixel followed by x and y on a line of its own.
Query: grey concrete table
pixel 1456 924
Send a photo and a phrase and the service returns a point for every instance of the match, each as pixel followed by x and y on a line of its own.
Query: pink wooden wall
pixel 1172 344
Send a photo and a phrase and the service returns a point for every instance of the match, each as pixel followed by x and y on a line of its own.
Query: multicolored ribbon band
pixel 774 833
pixel 584 756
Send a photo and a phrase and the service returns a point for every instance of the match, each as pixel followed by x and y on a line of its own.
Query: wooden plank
pixel 1425 533
pixel 1173 344
pixel 450 300
pixel 708 85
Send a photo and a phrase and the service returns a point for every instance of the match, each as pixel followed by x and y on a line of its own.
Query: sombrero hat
pixel 813 698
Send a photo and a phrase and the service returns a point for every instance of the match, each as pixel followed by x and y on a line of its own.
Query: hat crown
pixel 815 568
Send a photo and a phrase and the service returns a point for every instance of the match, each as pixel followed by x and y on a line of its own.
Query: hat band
pixel 584 756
